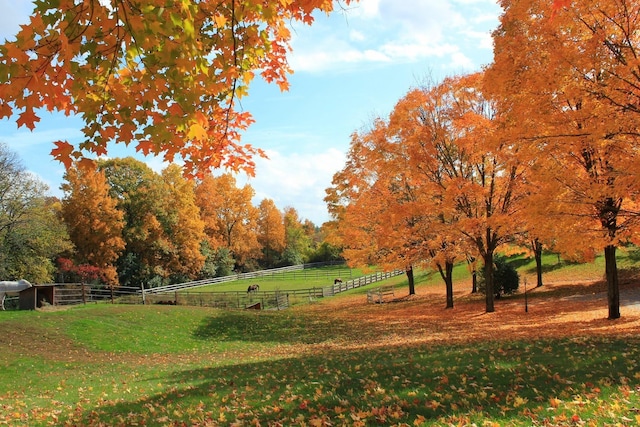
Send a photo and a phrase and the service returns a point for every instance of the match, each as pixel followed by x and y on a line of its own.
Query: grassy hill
pixel 338 361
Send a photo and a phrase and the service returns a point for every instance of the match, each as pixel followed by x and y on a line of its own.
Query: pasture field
pixel 336 362
pixel 318 277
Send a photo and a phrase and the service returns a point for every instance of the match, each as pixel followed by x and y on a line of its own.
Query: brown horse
pixel 337 280
pixel 253 288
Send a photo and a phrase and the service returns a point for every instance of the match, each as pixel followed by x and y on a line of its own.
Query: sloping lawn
pixel 339 361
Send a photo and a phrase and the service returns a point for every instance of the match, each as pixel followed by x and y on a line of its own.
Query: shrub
pixel 505 277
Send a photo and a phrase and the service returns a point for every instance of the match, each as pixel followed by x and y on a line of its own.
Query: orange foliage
pixel 431 184
pixel 95 224
pixel 570 98
pixel 184 228
pixel 164 75
pixel 271 230
pixel 230 218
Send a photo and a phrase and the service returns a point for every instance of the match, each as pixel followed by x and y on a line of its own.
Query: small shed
pixel 37 296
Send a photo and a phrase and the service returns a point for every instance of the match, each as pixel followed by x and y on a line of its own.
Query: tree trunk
pixel 474 282
pixel 449 283
pixel 537 250
pixel 471 261
pixel 412 285
pixel 613 290
pixel 447 275
pixel 488 281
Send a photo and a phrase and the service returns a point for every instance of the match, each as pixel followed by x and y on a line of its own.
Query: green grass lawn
pixel 338 362
pixel 135 365
pixel 290 280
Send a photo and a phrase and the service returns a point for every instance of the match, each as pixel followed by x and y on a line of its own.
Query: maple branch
pixel 95 126
pixel 141 56
pixel 76 22
pixel 235 64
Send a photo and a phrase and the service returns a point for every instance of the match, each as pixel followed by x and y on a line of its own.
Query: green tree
pixel 31 230
pixel 140 193
pixel 297 240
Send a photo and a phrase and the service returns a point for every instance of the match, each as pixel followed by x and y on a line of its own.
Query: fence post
pixel 144 302
pixel 84 296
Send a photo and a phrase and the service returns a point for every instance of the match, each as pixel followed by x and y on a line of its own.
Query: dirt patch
pixel 50 344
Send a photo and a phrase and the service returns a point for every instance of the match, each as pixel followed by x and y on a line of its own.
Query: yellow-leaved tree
pixel 271 231
pixel 183 227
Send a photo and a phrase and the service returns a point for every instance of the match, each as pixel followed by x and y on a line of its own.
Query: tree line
pixel 121 223
pixel 539 149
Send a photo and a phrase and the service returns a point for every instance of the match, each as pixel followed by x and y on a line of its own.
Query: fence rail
pixel 78 293
pixel 277 300
pixel 225 279
pixel 363 281
pixel 265 299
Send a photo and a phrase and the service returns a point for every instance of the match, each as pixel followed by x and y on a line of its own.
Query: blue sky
pixel 348 68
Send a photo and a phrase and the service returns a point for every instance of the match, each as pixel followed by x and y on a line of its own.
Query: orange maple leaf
pixel 63 153
pixel 146 147
pixel 5 110
pixel 28 118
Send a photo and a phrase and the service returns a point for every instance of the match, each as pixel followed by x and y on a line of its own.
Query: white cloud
pixel 486 3
pixel 396 32
pixel 483 40
pixel 357 36
pixel 460 60
pixel 297 180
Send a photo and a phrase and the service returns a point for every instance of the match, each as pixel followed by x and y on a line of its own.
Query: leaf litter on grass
pixel 346 362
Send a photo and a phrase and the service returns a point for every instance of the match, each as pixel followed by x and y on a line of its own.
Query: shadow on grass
pixel 548 268
pixel 514 382
pixel 278 327
pixel 529 264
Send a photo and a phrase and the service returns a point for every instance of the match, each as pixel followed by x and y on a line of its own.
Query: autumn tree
pixel 94 222
pixel 373 204
pixel 162 75
pixel 485 178
pixel 567 78
pixel 31 231
pixel 183 227
pixel 297 241
pixel 230 218
pixel 140 195
pixel 432 183
pixel 271 232
pixel 425 125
